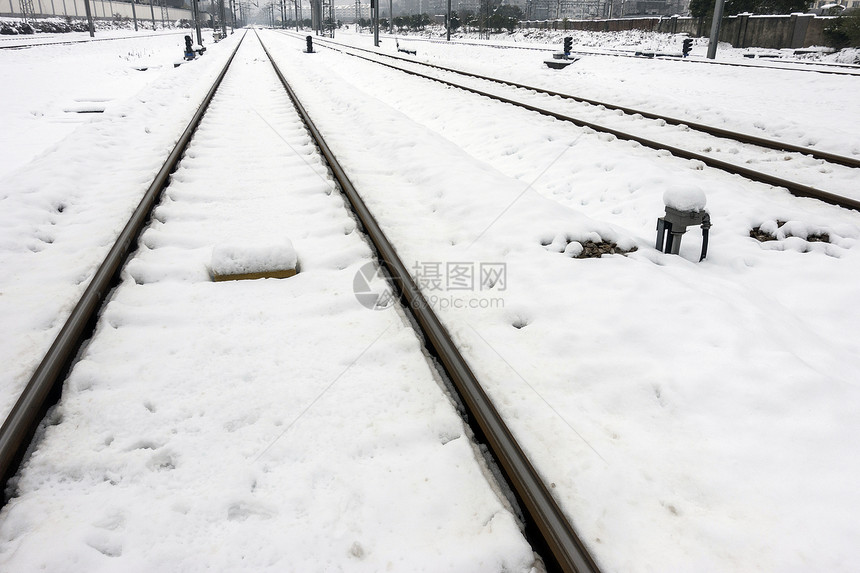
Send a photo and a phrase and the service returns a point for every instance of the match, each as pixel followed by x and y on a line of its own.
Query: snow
pixel 685 198
pixel 246 258
pixel 689 416
pixel 105 72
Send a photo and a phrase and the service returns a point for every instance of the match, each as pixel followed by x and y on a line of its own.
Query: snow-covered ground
pixel 40 103
pixel 689 416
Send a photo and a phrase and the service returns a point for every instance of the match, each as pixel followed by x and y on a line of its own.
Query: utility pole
pixel 90 25
pixel 133 14
pixel 715 29
pixel 375 5
pixel 448 22
pixel 196 21
pixel 223 18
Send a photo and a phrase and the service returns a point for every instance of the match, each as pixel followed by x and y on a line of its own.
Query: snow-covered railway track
pixel 795 168
pixel 788 65
pixel 14 44
pixel 215 375
pixel 21 422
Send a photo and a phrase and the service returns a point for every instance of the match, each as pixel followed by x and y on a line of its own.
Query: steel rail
pixel 567 548
pixel 20 426
pixel 797 189
pixel 709 129
pixel 68 42
pixel 841 69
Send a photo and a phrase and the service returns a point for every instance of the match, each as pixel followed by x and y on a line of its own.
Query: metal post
pixel 376 23
pixel 296 10
pixel 223 18
pixel 196 15
pixel 715 28
pixel 89 19
pixel 448 22
pixel 152 14
pixel 133 13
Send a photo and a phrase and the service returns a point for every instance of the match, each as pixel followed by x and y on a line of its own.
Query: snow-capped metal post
pixel 684 207
pixel 715 28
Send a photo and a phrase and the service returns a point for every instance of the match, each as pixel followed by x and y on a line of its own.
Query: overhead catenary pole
pixel 448 22
pixel 715 29
pixel 152 13
pixel 133 14
pixel 375 5
pixel 223 17
pixel 196 17
pixel 90 25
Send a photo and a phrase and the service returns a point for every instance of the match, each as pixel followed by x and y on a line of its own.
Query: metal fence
pixel 102 9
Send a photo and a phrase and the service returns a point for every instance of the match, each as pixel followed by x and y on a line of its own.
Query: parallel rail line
pixel 567 551
pixel 566 546
pixel 65 43
pixel 795 188
pixel 20 425
pixel 838 69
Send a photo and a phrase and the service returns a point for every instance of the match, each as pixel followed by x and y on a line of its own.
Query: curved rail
pixel 19 427
pixel 797 189
pixel 566 546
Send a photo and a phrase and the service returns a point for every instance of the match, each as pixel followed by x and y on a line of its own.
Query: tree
pixel 505 16
pixel 844 31
pixel 705 8
pixel 734 7
pixel 455 21
pixel 701 8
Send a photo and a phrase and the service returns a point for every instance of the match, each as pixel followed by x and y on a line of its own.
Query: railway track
pixel 22 46
pixel 91 325
pixel 835 69
pixel 592 114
